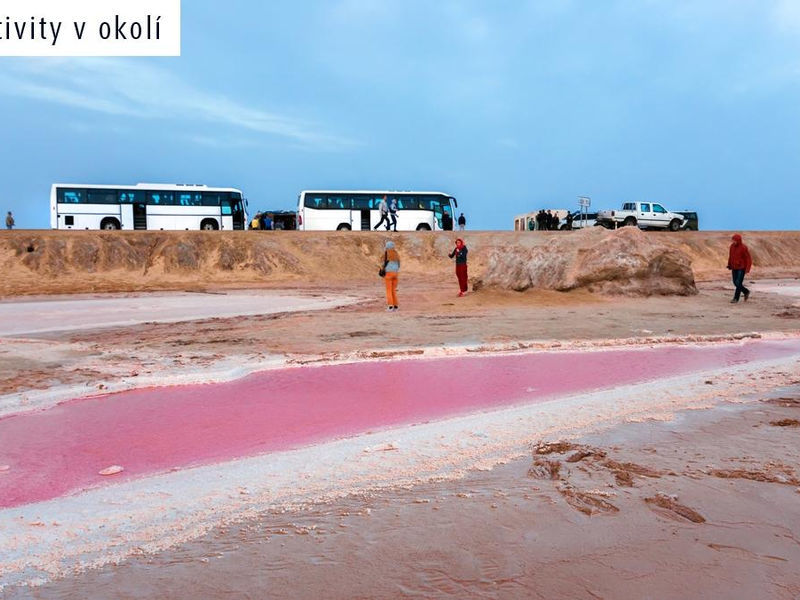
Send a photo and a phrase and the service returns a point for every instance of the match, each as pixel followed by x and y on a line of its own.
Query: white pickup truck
pixel 641 214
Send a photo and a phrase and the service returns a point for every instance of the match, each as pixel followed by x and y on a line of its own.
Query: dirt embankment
pixel 625 262
pixel 47 262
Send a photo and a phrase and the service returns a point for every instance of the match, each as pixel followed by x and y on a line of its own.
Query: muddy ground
pixel 699 507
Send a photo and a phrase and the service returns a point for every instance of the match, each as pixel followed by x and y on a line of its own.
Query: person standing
pixel 460 254
pixel 384 208
pixel 9 221
pixel 391 268
pixel 739 263
pixel 447 221
pixel 393 213
pixel 462 222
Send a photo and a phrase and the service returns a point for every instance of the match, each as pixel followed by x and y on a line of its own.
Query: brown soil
pixel 58 262
pixel 769 474
pixel 673 506
pixel 786 423
pixel 430 316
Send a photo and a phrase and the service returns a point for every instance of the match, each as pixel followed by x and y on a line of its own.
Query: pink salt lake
pixel 61 450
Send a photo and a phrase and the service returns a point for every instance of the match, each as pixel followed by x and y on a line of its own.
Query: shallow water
pixel 62 450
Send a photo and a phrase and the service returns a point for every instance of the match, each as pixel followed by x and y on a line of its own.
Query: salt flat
pixel 19 318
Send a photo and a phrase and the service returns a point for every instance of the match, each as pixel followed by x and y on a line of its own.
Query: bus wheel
pixel 109 224
pixel 343 227
pixel 423 227
pixel 209 225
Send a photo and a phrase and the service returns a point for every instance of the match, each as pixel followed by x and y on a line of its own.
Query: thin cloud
pixel 141 90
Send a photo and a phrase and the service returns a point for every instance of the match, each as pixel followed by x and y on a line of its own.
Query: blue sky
pixel 508 105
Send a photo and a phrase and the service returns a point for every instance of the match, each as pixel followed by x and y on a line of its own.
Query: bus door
pixel 233 207
pixel 140 215
pixel 126 216
pixel 361 213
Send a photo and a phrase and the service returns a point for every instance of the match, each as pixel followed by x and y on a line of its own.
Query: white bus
pixel 146 206
pixel 326 210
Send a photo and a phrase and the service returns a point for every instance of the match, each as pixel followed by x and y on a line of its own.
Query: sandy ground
pixel 431 317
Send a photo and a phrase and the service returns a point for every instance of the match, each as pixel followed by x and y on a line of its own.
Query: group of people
pixel 391 270
pixel 739 262
pixel 447 222
pixel 388 212
pixel 9 221
pixel 389 209
pixel 261 220
pixel 547 220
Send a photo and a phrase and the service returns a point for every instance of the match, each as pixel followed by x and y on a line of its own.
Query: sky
pixel 510 106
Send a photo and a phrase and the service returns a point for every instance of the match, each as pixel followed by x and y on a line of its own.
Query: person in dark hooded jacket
pixel 739 262
pixel 460 254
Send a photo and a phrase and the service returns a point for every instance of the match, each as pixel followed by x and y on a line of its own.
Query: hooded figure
pixel 739 262
pixel 391 264
pixel 460 254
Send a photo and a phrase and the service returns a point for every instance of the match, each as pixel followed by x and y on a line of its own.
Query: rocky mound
pixel 626 261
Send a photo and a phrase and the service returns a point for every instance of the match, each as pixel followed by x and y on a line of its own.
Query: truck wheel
pixel 674 225
pixel 629 222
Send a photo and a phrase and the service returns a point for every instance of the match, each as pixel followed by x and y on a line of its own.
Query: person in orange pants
pixel 391 264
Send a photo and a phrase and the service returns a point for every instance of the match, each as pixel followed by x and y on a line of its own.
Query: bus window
pixel 190 199
pixel 161 198
pixel 129 197
pixel 340 202
pixel 316 201
pixel 101 197
pixel 70 196
pixel 361 202
pixel 210 199
pixel 231 204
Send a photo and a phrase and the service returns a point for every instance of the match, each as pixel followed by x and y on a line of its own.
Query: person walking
pixel 739 263
pixel 393 213
pixel 391 270
pixel 9 221
pixel 384 208
pixel 460 254
pixel 462 222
